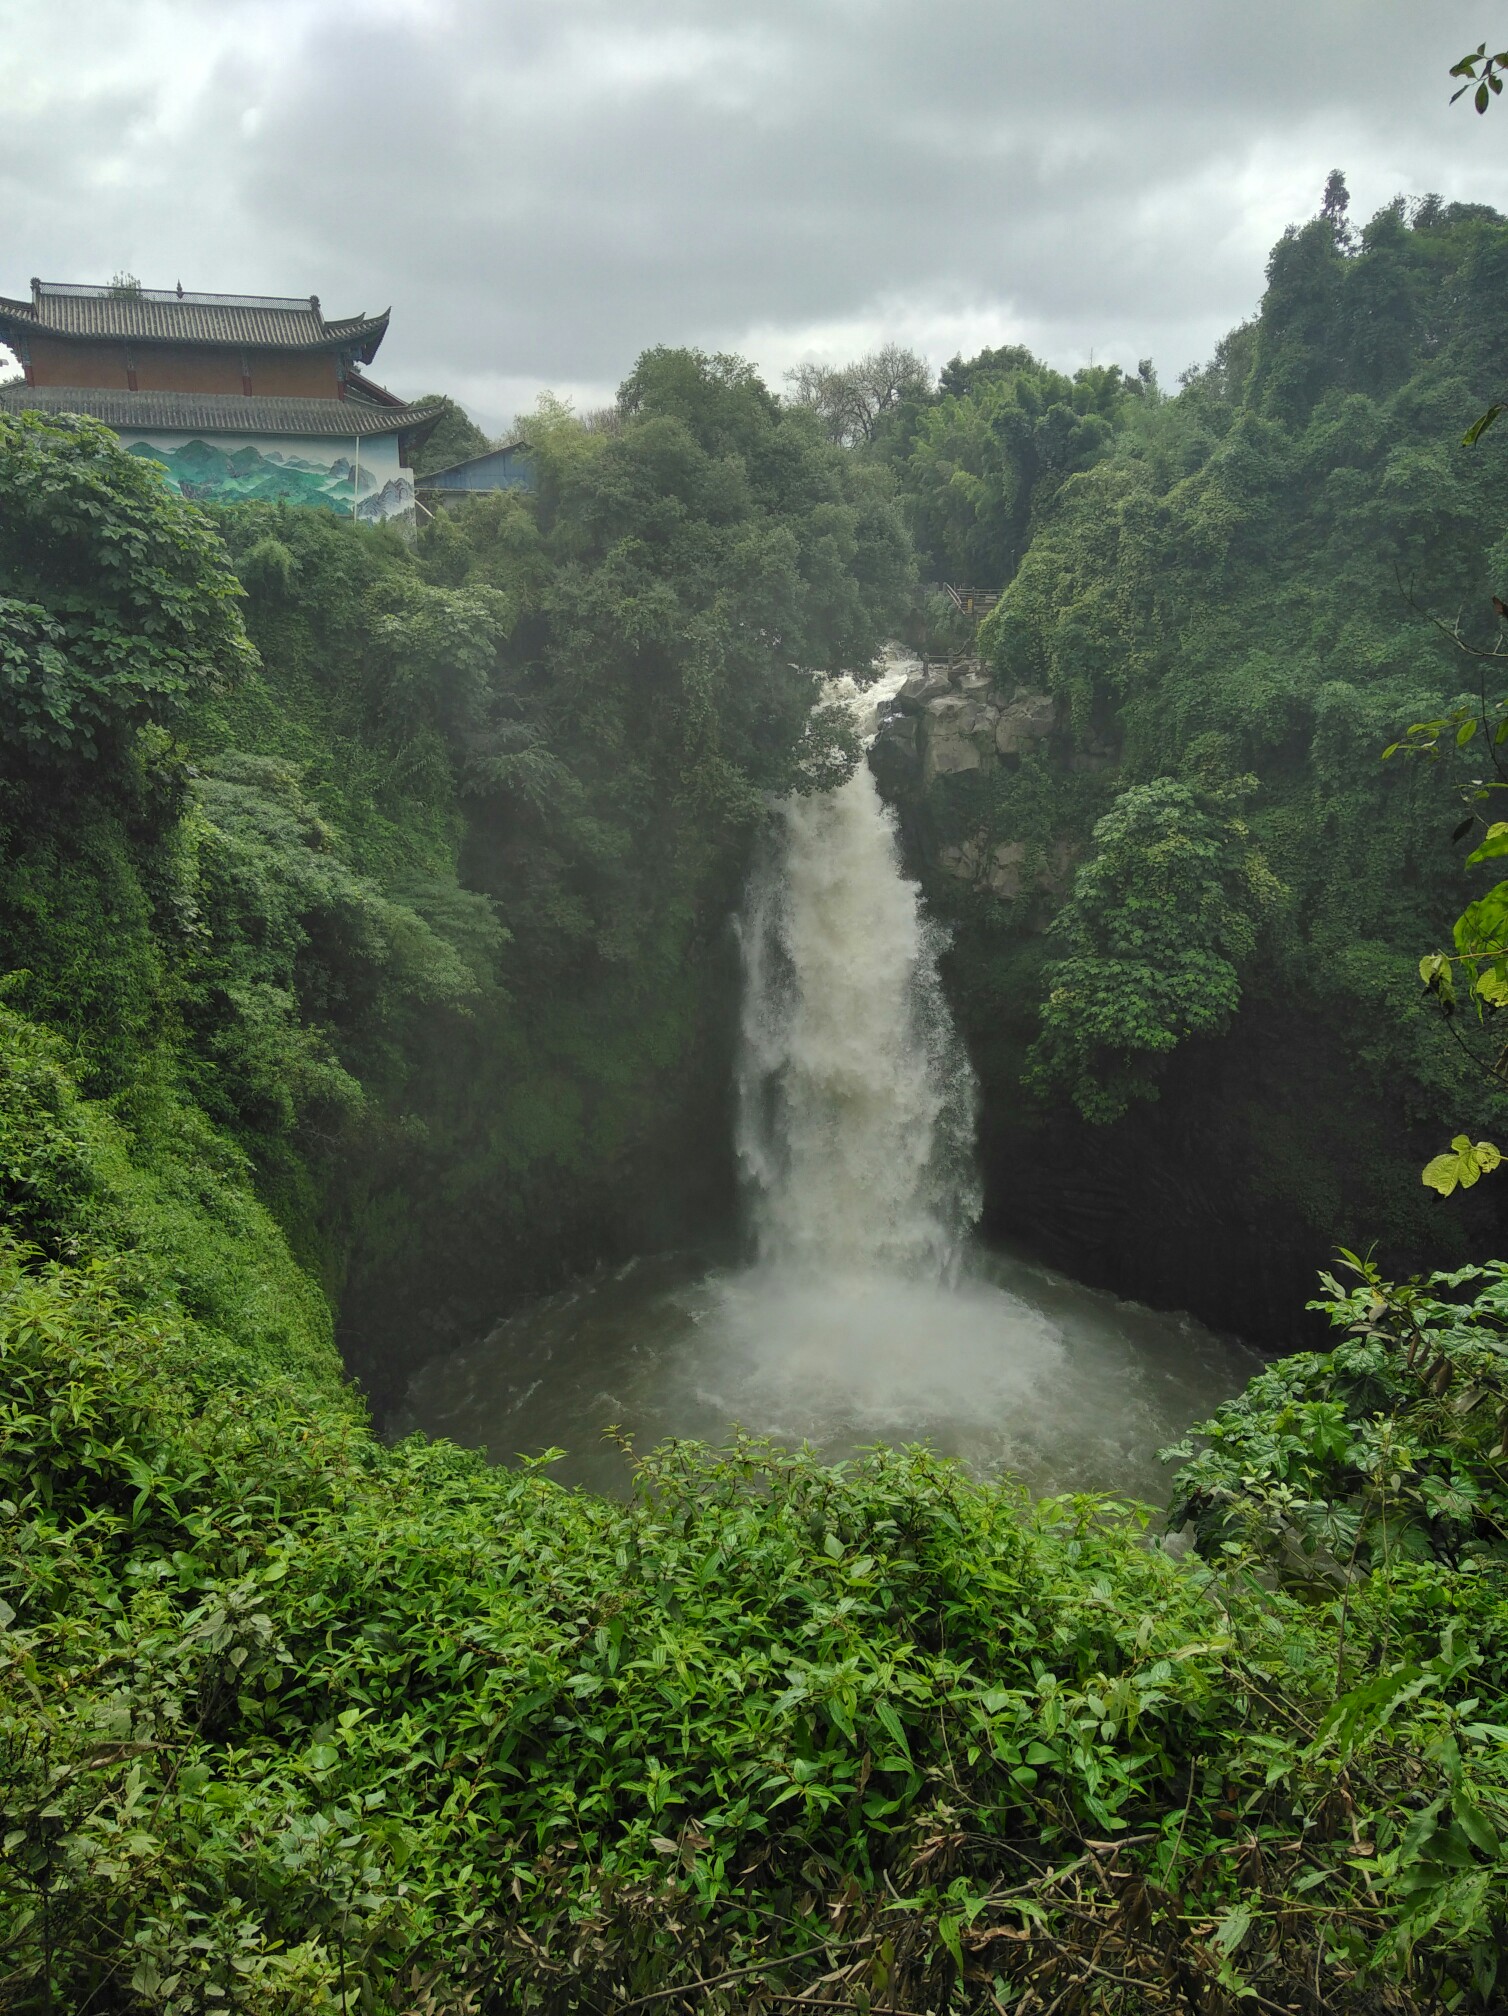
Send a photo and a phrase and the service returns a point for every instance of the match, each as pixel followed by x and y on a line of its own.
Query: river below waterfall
pixel 1010 1368
pixel 867 1313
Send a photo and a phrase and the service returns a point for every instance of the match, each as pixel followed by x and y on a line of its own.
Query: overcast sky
pixel 542 188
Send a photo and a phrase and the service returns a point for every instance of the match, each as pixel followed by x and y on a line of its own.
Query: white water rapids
pixel 866 1314
pixel 856 1101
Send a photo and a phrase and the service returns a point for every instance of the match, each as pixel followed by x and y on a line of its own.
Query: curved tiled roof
pixel 220 412
pixel 160 316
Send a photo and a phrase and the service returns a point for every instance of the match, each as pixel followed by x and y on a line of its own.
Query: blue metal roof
pixel 507 468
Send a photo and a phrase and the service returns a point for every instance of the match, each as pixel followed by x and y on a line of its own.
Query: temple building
pixel 236 395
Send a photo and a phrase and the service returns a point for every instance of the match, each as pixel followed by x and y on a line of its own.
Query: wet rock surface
pixel 950 719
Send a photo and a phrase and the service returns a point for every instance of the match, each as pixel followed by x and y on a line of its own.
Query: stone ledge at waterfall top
pixel 952 718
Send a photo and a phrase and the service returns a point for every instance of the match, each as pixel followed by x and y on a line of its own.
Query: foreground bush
pixel 292 1721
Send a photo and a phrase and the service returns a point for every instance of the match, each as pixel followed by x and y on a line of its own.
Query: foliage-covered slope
pixel 422 902
pixel 1219 607
pixel 290 1721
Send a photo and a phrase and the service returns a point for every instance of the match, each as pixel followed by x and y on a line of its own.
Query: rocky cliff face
pixel 950 719
pixel 1265 1149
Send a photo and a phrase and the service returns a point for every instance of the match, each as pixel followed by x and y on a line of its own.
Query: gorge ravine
pixel 865 1311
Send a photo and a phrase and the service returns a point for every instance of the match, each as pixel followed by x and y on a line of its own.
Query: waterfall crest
pixel 856 1102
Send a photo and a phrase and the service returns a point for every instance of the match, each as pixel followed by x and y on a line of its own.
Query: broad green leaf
pixel 1495 844
pixel 948 1932
pixel 891 1722
pixel 1466 1161
pixel 1475 1825
pixel 1233 1928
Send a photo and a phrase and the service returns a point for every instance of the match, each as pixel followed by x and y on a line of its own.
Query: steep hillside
pixel 415 891
pixel 1218 1063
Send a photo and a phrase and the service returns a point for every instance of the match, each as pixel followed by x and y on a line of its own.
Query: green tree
pixel 455 438
pixel 988 456
pixel 854 401
pixel 1159 923
pixel 1230 570
pixel 117 603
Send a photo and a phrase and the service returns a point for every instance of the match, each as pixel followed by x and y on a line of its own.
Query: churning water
pixel 866 1314
pixel 856 1101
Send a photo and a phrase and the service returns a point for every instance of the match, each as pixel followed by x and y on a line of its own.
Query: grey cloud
pixel 542 188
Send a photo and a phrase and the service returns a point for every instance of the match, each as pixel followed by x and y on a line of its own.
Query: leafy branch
pixel 1488 79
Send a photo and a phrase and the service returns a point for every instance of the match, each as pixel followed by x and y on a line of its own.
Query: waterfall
pixel 856 1101
pixel 858 1324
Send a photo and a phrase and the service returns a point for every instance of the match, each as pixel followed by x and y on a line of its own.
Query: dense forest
pixel 1218 1061
pixel 365 912
pixel 412 894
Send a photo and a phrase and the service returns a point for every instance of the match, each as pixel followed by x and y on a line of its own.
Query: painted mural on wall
pixel 327 474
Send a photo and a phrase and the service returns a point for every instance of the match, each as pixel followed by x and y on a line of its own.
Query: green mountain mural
pixel 237 475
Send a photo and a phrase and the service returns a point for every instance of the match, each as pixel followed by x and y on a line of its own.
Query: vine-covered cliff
pixel 1188 897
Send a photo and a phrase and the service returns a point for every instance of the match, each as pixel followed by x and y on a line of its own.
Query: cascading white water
pixel 867 1316
pixel 856 1100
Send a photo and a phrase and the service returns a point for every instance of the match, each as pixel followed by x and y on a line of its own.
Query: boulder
pixel 1001 868
pixel 956 734
pixel 929 683
pixel 963 861
pixel 1063 858
pixel 1025 722
pixel 1004 870
pixel 893 755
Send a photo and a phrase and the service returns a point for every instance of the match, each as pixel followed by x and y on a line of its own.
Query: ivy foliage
pixel 116 602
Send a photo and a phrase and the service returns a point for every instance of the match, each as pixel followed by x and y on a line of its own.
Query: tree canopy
pixel 116 600
pixel 1153 937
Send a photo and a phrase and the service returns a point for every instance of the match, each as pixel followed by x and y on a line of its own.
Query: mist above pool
pixel 868 1315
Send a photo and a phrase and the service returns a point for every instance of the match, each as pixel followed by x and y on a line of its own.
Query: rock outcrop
pixel 956 733
pixel 1025 722
pixel 949 719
